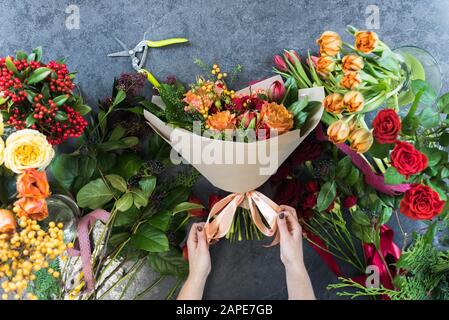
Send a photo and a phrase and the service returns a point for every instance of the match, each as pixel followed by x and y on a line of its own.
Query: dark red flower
pixel 349 201
pixel 309 201
pixel 213 199
pixel 309 150
pixel 305 214
pixel 288 193
pixel 386 126
pixel 421 202
pixel 283 172
pixel 407 160
pixel 185 253
pixel 312 186
pixel 197 212
pixel 280 64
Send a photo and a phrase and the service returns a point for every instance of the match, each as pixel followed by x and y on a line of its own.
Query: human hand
pixel 290 232
pixel 198 252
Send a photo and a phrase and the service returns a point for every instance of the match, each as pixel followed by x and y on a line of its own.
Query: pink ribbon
pixel 84 243
pixel 373 179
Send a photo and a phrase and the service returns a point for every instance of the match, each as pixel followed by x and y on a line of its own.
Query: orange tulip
pixel 338 132
pixel 333 103
pixel 324 65
pixel 330 43
pixel 32 208
pixel 352 63
pixel 366 41
pixel 353 101
pixel 350 80
pixel 361 140
pixel 33 183
pixel 7 222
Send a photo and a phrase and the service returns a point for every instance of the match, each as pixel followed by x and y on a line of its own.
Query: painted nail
pixel 281 215
pixel 199 228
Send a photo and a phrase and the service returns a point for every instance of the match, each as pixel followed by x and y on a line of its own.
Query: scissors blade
pixel 123 45
pixel 119 54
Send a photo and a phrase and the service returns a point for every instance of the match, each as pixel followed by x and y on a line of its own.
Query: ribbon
pixel 224 210
pixel 373 179
pixel 84 243
pixel 321 248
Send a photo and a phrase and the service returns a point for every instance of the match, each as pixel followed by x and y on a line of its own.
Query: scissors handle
pixel 152 79
pixel 165 42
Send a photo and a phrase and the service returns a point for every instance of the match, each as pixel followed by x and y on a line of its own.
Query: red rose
pixel 312 186
pixel 387 126
pixel 309 201
pixel 407 160
pixel 288 193
pixel 421 202
pixel 349 201
pixel 197 212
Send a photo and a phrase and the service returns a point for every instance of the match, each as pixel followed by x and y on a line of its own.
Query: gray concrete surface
pixel 228 32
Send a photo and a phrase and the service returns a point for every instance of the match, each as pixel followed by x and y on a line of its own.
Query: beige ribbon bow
pixel 224 210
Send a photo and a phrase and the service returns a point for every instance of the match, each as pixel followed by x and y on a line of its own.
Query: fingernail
pixel 199 228
pixel 281 215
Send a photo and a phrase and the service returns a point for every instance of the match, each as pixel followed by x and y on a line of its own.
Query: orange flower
pixel 338 131
pixel 366 41
pixel 350 80
pixel 33 183
pixel 277 117
pixel 324 65
pixel 353 101
pixel 361 140
pixel 7 221
pixel 32 208
pixel 330 43
pixel 352 62
pixel 198 100
pixel 221 121
pixel 333 103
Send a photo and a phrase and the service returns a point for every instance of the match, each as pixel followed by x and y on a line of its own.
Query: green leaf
pixel 444 139
pixel 147 184
pixel 160 220
pixel 128 165
pixel 65 169
pixel 170 263
pixel 150 239
pixel 117 182
pixel 60 100
pixel 83 109
pixel 392 176
pixel 365 233
pixel 125 202
pixel 353 176
pixel 433 155
pixel 30 120
pixel 11 66
pixel 140 199
pixel 121 95
pixel 429 118
pixel 443 103
pixel 186 206
pixel 130 141
pixel 87 166
pixel 38 53
pixel 102 121
pixel 20 55
pixel 61 116
pixel 361 218
pixel 327 195
pixel 379 150
pixel 343 167
pixel 38 75
pixel 127 217
pixel 117 133
pixel 429 95
pixel 175 196
pixel 94 195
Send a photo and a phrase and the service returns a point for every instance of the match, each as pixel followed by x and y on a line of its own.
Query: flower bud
pixel 353 101
pixel 361 140
pixel 7 221
pixel 350 80
pixel 338 132
pixel 366 41
pixel 248 120
pixel 276 92
pixel 330 43
pixel 280 63
pixel 333 103
pixel 349 201
pixel 324 65
pixel 290 55
pixel 352 62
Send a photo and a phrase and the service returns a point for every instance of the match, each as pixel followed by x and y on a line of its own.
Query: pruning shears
pixel 142 48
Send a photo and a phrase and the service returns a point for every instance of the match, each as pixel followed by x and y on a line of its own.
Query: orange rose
pixel 33 183
pixel 333 103
pixel 32 208
pixel 352 63
pixel 221 121
pixel 338 132
pixel 330 43
pixel 361 140
pixel 7 222
pixel 198 100
pixel 366 41
pixel 353 101
pixel 350 80
pixel 324 65
pixel 277 117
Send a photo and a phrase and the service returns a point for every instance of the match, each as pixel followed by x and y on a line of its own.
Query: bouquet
pixel 265 118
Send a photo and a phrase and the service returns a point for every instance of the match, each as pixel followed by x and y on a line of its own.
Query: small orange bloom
pixel 198 100
pixel 32 208
pixel 353 101
pixel 330 43
pixel 221 121
pixel 350 80
pixel 366 41
pixel 277 117
pixel 333 103
pixel 33 183
pixel 338 132
pixel 361 140
pixel 352 62
pixel 7 221
pixel 324 65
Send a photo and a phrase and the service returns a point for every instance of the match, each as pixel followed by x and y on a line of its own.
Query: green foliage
pixel 45 286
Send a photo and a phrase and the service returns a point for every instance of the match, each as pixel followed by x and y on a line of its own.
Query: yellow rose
pixel 27 149
pixel 2 148
pixel 361 140
pixel 366 41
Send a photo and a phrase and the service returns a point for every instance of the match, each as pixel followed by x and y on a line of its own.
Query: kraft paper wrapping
pixel 237 166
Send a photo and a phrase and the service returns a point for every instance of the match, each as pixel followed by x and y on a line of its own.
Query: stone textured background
pixel 228 32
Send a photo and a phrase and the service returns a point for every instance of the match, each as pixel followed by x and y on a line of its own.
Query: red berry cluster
pixel 58 123
pixel 63 83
